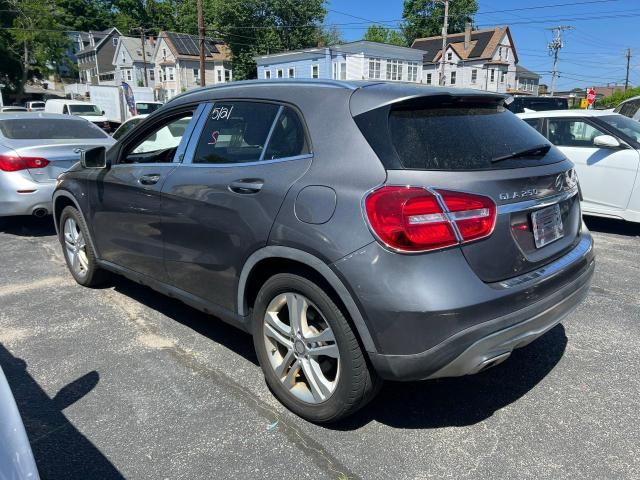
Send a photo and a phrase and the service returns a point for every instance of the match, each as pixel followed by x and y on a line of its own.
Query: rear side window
pixel 628 109
pixel 572 132
pixel 452 134
pixel 50 129
pixel 288 138
pixel 235 132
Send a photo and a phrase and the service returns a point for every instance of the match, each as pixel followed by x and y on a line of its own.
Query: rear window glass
pixel 537 104
pixel 47 128
pixel 461 137
pixel 147 108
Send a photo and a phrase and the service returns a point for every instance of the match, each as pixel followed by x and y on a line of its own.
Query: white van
pixel 85 110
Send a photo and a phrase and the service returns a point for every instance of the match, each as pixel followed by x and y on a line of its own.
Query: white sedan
pixel 605 148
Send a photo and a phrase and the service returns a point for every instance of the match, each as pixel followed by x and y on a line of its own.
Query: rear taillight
pixel 13 163
pixel 415 219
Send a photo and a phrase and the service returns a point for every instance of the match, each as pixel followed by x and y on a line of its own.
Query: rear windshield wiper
pixel 537 151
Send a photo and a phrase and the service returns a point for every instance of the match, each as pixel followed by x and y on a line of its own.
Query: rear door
pixel 219 205
pixel 607 175
pixel 464 144
pixel 125 201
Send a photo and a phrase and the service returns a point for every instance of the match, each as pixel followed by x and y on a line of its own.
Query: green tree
pixel 378 33
pixel 258 27
pixel 617 97
pixel 155 14
pixel 37 40
pixel 86 15
pixel 424 18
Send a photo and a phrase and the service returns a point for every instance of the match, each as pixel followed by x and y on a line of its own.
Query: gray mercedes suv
pixel 360 231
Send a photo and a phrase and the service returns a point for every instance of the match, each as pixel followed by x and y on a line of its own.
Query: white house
pixel 482 59
pixel 360 60
pixel 129 64
pixel 177 63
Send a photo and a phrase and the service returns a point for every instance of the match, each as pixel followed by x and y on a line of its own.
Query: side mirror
pixel 95 157
pixel 606 141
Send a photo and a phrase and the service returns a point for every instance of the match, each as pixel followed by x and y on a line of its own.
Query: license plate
pixel 547 225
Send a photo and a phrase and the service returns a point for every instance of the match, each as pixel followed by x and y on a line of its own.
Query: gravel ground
pixel 122 382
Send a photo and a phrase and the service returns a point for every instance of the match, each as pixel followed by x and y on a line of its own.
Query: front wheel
pixel 80 257
pixel 311 358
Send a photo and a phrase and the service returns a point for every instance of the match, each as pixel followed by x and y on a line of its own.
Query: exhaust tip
pixel 40 212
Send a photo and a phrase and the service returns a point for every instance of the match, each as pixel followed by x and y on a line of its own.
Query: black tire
pixel 357 383
pixel 92 275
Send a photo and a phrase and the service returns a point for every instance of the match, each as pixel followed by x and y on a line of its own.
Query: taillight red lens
pixel 413 219
pixel 13 163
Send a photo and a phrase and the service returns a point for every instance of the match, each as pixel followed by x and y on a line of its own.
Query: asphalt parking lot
pixel 122 382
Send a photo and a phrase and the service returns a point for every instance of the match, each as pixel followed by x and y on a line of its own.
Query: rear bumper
pixel 14 203
pixel 489 343
pixel 432 317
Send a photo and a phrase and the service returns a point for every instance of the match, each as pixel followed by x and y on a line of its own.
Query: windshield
pixel 37 104
pixel 463 135
pixel 146 108
pixel 631 128
pixel 88 110
pixel 46 128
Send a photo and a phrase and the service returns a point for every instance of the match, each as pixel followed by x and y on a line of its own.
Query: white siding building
pixel 129 65
pixel 361 60
pixel 481 59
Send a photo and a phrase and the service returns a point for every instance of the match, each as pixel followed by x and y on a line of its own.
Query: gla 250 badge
pixel 521 194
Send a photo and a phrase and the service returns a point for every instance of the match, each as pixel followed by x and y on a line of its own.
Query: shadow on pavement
pixel 202 323
pixel 609 225
pixel 456 402
pixel 28 226
pixel 60 450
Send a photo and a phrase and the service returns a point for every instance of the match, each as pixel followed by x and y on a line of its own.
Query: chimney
pixel 467 35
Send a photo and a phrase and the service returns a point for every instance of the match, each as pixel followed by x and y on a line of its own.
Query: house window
pixel 291 73
pixel 503 74
pixel 428 79
pixel 493 75
pixel 280 73
pixel 394 69
pixel 220 76
pixel 164 53
pixel 196 74
pixel 453 78
pixel 340 71
pixel 227 75
pixel 315 71
pixel 114 41
pixel 124 60
pixel 129 76
pixel 160 75
pixel 172 72
pixel 474 75
pixel 449 56
pixel 152 75
pixel 267 74
pixel 412 71
pixel 374 68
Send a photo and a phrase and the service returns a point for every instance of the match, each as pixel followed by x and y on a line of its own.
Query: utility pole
pixel 143 32
pixel 445 30
pixel 626 80
pixel 201 41
pixel 554 46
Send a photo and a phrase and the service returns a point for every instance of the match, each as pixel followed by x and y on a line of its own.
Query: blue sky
pixel 593 53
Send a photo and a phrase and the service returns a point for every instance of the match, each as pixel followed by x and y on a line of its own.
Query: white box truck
pixel 112 101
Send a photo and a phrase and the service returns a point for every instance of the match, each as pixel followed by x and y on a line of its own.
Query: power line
pixel 555 45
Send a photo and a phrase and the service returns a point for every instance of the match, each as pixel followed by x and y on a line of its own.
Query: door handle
pixel 150 179
pixel 253 185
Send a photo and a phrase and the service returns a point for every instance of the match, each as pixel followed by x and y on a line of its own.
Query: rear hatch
pixel 470 143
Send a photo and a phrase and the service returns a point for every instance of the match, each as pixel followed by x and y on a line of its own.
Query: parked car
pixel 128 125
pixel 12 109
pixel 86 110
pixel 16 457
pixel 519 104
pixel 629 108
pixel 605 148
pixel 340 224
pixel 34 149
pixel 35 106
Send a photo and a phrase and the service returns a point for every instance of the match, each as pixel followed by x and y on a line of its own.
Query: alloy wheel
pixel 75 247
pixel 302 348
